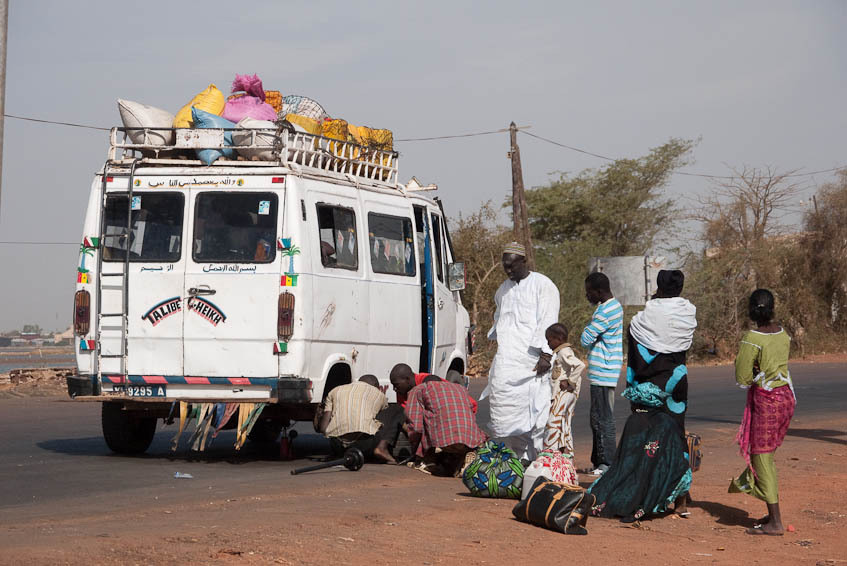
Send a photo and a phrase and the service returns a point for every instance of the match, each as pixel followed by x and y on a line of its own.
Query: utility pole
pixel 4 28
pixel 519 209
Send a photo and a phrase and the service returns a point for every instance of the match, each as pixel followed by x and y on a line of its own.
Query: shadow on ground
pixel 822 434
pixel 725 514
pixel 222 449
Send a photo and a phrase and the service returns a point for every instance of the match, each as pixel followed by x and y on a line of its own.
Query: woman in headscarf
pixel 762 368
pixel 651 471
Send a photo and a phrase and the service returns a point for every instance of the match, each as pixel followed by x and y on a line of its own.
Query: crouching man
pixel 441 421
pixel 353 416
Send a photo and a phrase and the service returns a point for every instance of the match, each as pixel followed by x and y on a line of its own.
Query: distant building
pixel 63 338
pixel 5 341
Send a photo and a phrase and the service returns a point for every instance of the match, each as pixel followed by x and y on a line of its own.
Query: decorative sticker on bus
pixel 86 248
pixel 163 310
pixel 207 310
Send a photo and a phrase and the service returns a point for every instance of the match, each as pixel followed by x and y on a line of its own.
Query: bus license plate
pixel 141 390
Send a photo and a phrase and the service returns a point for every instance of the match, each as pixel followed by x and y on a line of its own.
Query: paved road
pixel 54 458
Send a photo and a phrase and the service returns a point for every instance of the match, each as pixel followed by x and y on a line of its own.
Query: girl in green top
pixel 761 367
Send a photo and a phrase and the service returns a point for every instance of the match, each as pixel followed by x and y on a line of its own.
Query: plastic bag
pixel 236 109
pixel 210 100
pixel 252 86
pixel 204 119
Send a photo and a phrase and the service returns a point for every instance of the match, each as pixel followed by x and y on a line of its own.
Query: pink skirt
pixel 766 419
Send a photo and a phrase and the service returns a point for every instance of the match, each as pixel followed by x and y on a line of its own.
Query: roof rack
pixel 271 147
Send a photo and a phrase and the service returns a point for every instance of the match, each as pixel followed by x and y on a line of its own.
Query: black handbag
pixel 557 506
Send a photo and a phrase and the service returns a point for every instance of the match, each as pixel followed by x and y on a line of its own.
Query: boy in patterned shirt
pixel 565 383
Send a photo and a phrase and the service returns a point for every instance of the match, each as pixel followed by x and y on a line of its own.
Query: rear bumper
pixel 287 389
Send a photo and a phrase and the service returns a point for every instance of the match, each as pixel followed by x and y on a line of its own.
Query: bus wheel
pixel 125 433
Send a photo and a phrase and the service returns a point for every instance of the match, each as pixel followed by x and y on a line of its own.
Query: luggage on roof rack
pixel 292 149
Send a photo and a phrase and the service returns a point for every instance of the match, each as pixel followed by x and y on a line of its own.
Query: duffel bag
pixel 556 506
pixel 495 472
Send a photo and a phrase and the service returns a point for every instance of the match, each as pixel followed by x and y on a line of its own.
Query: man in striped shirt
pixel 354 415
pixel 603 337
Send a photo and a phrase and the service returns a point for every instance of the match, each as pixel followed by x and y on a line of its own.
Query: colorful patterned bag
pixel 554 466
pixel 495 472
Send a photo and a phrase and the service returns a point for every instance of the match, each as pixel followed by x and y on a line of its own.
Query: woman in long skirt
pixel 762 368
pixel 650 471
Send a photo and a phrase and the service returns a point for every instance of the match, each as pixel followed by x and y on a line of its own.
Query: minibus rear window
pixel 155 230
pixel 235 227
pixel 391 244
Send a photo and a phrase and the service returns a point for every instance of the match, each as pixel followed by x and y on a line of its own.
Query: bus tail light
pixel 82 313
pixel 285 316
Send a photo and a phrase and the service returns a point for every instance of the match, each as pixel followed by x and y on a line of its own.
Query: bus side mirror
pixel 456 276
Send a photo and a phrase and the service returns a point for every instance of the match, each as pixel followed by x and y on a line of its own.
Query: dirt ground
pixel 391 515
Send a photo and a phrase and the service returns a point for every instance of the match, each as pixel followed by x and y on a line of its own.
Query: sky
pixel 758 83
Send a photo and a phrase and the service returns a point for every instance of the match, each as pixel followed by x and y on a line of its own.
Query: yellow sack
pixel 377 139
pixel 311 126
pixel 211 100
pixel 353 134
pixel 336 130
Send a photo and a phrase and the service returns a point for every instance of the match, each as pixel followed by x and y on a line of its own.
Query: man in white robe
pixel 519 379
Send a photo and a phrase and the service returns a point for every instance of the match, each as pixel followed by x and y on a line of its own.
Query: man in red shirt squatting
pixel 440 420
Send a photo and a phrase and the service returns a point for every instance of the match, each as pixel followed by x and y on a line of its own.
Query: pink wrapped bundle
pixel 247 106
pixel 252 86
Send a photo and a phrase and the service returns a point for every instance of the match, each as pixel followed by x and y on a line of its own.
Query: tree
pixel 478 240
pixel 826 248
pixel 619 208
pixel 745 246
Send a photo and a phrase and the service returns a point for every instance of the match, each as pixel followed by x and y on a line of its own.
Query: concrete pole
pixel 4 27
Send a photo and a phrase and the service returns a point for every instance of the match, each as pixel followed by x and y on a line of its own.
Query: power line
pixel 570 147
pixel 500 131
pixel 54 122
pixel 40 243
pixel 686 173
pixel 468 135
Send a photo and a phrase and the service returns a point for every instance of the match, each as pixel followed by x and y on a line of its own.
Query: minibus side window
pixel 337 232
pixel 392 245
pixel 235 227
pixel 436 235
pixel 156 230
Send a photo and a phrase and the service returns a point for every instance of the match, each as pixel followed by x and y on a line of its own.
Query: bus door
pixel 156 277
pixel 232 283
pixel 444 341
